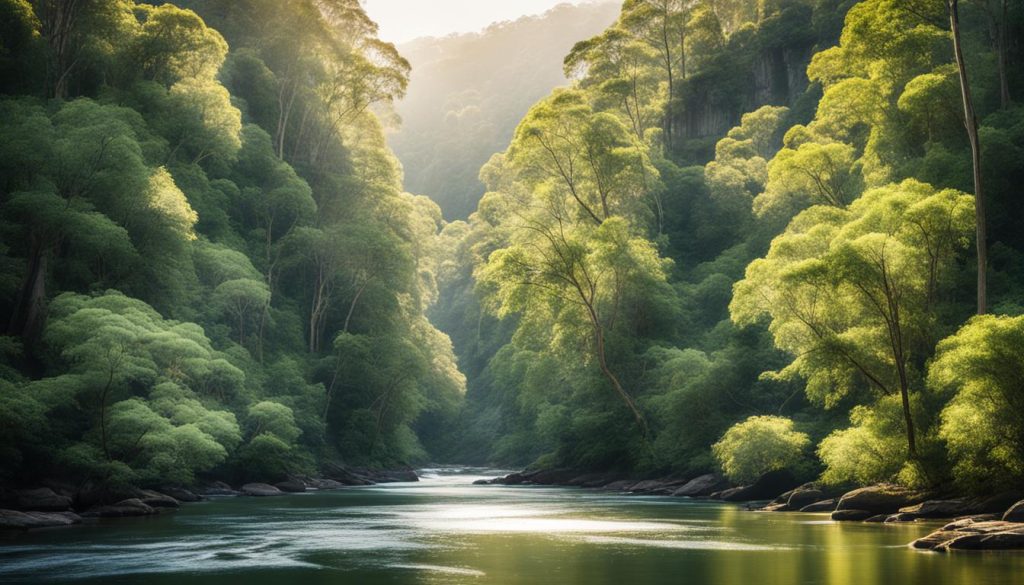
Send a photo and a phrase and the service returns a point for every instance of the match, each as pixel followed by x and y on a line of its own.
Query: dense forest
pixel 468 91
pixel 209 264
pixel 747 236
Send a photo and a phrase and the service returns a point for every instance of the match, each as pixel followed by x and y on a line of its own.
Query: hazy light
pixel 404 20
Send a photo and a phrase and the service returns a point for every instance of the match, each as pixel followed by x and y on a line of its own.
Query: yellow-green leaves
pixel 758 445
pixel 166 199
pixel 981 367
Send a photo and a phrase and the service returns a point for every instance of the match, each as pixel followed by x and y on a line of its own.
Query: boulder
pixel 42 500
pixel 124 508
pixel 552 476
pixel 881 499
pixel 156 499
pixel 822 506
pixel 959 523
pixel 767 487
pixel 656 486
pixel 593 479
pixel 900 517
pixel 1009 540
pixel 325 484
pixel 852 515
pixel 622 485
pixel 801 498
pixel 260 490
pixel 181 494
pixel 877 518
pixel 993 535
pixel 954 508
pixel 15 520
pixel 702 486
pixel 1015 513
pixel 291 486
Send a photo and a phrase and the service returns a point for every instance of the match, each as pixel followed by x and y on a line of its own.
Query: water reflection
pixel 444 530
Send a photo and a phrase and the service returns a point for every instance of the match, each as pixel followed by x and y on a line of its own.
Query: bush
pixel 758 445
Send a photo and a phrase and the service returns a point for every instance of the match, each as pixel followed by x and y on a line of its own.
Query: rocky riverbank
pixel 979 523
pixel 58 504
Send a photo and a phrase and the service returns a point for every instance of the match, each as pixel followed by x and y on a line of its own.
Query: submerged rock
pixel 16 520
pixel 124 508
pixel 657 487
pixel 260 490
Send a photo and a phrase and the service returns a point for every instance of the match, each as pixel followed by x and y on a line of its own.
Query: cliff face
pixel 763 66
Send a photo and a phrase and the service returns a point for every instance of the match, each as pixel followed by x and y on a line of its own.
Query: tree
pixel 853 294
pixel 971 122
pixel 758 445
pixel 981 369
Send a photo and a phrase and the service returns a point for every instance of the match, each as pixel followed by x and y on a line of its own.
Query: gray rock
pixel 801 498
pixel 1009 540
pixel 181 494
pixel 657 486
pixel 900 517
pixel 852 515
pixel 260 490
pixel 1015 513
pixel 156 499
pixel 42 500
pixel 622 485
pixel 15 520
pixel 702 486
pixel 326 484
pixel 124 508
pixel 291 486
pixel 960 523
pixel 822 506
pixel 881 499
pixel 767 487
pixel 552 476
pixel 994 535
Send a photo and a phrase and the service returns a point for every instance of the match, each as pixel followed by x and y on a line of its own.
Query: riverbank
pixel 56 504
pixel 993 522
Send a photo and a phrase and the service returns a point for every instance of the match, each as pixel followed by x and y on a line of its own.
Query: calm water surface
pixel 444 530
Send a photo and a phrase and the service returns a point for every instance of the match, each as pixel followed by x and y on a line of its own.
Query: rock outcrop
pixel 880 499
pixel 42 500
pixel 122 509
pixel 702 487
pixel 16 520
pixel 260 490
pixel 971 535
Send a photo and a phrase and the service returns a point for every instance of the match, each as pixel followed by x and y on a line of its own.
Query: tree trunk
pixel 971 121
pixel 26 319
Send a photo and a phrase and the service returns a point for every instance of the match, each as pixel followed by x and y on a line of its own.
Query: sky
pixel 404 20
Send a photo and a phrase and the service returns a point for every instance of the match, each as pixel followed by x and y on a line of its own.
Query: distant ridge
pixel 468 92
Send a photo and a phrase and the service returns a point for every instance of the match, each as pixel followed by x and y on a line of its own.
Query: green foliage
pixel 980 368
pixel 758 445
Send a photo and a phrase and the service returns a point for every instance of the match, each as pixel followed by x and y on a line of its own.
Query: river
pixel 445 530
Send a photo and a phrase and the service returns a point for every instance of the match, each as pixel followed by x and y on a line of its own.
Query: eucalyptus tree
pixel 853 294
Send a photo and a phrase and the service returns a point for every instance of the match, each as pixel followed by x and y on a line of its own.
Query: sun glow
pixel 404 20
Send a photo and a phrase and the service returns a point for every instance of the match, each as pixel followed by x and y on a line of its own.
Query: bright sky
pixel 404 20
